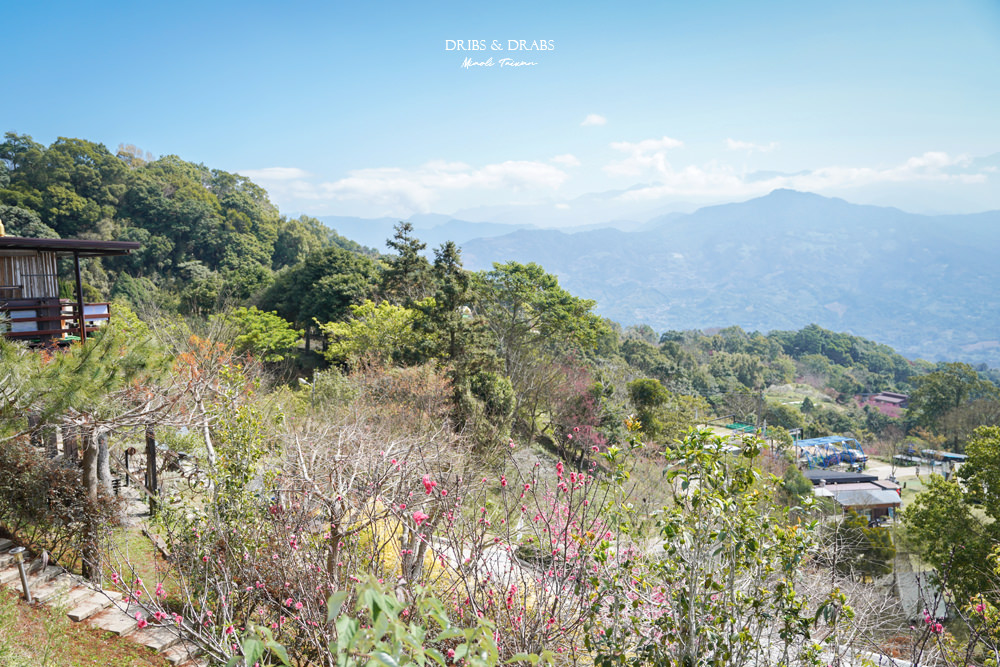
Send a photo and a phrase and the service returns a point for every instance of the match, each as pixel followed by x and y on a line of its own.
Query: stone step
pixel 183 653
pixel 5 544
pixel 158 638
pixel 92 604
pixel 70 598
pixel 54 587
pixel 41 577
pixel 114 620
pixel 197 662
pixel 6 559
pixel 9 575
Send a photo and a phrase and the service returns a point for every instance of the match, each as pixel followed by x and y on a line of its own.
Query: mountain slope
pixel 926 285
pixel 431 229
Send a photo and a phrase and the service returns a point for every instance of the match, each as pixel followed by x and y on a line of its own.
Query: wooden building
pixel 891 398
pixel 29 288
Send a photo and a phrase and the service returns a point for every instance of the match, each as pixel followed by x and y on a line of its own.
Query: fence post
pixel 71 444
pixel 51 441
pixel 151 481
pixel 129 453
pixel 34 437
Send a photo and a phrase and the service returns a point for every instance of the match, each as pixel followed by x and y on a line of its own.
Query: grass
pixel 796 393
pixel 42 636
pixel 135 555
pixel 914 485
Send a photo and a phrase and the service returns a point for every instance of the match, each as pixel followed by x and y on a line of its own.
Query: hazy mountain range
pixel 926 285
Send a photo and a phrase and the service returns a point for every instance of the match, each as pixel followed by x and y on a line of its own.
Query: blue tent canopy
pixel 830 450
pixel 825 440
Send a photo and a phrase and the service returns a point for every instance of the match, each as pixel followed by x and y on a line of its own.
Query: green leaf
pixel 347 628
pixel 334 605
pixel 253 650
pixel 436 656
pixel 279 650
pixel 385 659
pixel 449 633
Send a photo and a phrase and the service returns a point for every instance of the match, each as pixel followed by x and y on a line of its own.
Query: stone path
pixel 55 587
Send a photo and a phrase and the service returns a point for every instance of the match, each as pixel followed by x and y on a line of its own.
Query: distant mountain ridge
pixel 926 285
pixel 432 229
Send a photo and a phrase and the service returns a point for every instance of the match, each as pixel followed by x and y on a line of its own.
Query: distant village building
pixel 872 498
pixel 888 403
pixel 891 398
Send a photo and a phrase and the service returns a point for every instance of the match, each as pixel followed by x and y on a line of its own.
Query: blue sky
pixel 362 109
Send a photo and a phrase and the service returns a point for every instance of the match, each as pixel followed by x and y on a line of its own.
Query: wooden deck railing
pixel 48 319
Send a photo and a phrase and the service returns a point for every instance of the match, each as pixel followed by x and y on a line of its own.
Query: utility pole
pixel 760 409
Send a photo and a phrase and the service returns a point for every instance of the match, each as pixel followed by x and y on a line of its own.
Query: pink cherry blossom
pixel 428 483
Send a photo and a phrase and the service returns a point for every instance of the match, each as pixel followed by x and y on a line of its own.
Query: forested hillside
pixel 205 233
pixel 473 465
pixel 212 240
pixel 923 284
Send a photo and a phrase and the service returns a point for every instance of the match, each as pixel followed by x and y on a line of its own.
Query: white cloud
pixel 418 189
pixel 646 145
pixel 440 185
pixel 643 156
pixel 568 160
pixel 562 207
pixel 749 146
pixel 723 180
pixel 594 119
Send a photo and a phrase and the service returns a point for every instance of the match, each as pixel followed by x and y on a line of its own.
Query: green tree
pixel 949 387
pixel 786 416
pixel 451 316
pixel 296 239
pixel 723 591
pixel 647 395
pixel 321 288
pixel 263 334
pixel 381 333
pixel 407 276
pixel 23 159
pixel 652 362
pixel 84 184
pixel 958 424
pixel 534 324
pixel 25 223
pixel 642 332
pixel 526 308
pixel 796 485
pixel 981 472
pixel 942 527
pixel 856 550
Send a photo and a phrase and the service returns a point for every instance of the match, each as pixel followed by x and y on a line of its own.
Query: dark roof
pixel 838 476
pixel 84 247
pixel 892 394
pixel 882 398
